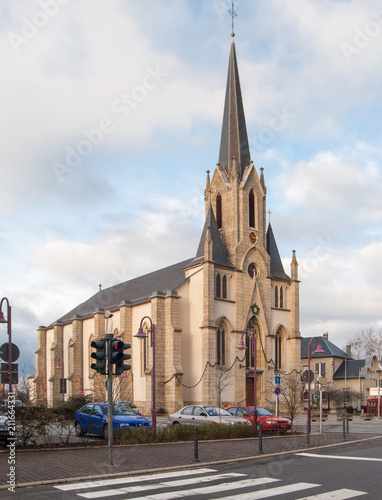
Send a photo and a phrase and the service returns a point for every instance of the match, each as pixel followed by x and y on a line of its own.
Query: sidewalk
pixel 39 466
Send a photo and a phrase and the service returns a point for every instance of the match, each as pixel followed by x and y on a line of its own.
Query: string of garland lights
pixel 255 310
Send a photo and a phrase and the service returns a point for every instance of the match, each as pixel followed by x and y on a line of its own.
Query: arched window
pixel 276 296
pixel 251 208
pixel 220 346
pixel 224 287
pixel 218 286
pixel 278 349
pixel 219 210
pixel 253 326
pixel 281 297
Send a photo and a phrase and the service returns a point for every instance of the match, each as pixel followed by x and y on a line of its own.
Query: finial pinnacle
pixel 233 15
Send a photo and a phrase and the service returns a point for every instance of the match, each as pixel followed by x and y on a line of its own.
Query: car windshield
pixel 260 411
pixel 263 413
pixel 120 410
pixel 215 411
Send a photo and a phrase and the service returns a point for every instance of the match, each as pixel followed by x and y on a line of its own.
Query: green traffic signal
pixel 100 356
pixel 120 367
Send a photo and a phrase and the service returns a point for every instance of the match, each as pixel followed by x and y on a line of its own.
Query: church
pixel 232 290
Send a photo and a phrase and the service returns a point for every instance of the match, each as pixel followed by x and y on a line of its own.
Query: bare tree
pixel 366 343
pixel 223 380
pixel 122 388
pixel 291 395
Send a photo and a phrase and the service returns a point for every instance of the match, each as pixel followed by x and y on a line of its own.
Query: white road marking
pixel 336 495
pixel 267 493
pixel 339 457
pixel 155 486
pixel 132 479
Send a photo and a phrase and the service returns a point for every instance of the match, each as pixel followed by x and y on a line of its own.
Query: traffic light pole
pixel 109 337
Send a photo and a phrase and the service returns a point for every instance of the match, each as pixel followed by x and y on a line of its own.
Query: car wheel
pixel 78 429
pixel 175 423
pixel 106 431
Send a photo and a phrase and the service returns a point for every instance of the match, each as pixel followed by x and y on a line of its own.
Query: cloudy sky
pixel 111 114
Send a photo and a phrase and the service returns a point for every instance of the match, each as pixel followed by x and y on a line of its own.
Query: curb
pixel 195 465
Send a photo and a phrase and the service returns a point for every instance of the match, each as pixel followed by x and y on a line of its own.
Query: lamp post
pixel 8 321
pixel 319 350
pixel 242 346
pixel 60 364
pixel 141 335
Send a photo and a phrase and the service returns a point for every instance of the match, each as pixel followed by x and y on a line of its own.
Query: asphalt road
pixel 351 471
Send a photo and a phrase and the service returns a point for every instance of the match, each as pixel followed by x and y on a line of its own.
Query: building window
pixel 278 350
pixel 251 209
pixel 220 346
pixel 276 296
pixel 253 326
pixel 320 369
pixel 281 297
pixel 219 210
pixel 224 287
pixel 218 286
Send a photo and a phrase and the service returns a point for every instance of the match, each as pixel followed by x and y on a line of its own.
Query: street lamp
pixel 319 350
pixel 8 321
pixel 242 346
pixel 141 335
pixel 60 364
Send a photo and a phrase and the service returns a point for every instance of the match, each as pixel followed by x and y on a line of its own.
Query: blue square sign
pixel 277 380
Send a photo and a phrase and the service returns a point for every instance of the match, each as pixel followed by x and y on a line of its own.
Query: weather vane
pixel 233 15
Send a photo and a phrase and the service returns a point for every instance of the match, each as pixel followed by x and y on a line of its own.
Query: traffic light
pixel 100 356
pixel 120 367
pixel 115 351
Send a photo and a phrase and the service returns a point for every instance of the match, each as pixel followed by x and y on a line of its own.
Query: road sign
pixel 277 391
pixel 4 353
pixel 277 380
pixel 305 376
pixel 321 380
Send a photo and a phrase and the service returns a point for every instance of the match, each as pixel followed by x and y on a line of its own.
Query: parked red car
pixel 268 421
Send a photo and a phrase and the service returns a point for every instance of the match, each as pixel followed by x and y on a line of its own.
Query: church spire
pixel 234 138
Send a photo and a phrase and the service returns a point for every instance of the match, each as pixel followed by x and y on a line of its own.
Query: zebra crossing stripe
pixel 131 479
pixel 246 483
pixel 156 486
pixel 342 494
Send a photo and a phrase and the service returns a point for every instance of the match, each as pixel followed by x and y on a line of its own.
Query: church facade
pixel 234 288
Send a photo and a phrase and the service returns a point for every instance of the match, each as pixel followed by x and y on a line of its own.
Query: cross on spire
pixel 233 15
pixel 270 213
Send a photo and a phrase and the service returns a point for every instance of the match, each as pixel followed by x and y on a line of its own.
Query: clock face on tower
pixel 253 238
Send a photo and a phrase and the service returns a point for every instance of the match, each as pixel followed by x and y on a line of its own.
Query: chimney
pixel 348 350
pixel 326 336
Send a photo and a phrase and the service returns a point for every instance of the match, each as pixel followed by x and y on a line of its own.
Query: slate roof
pixel 354 368
pixel 136 290
pixel 330 349
pixel 277 268
pixel 234 138
pixel 219 254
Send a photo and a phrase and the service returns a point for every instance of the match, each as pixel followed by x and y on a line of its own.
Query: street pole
pixel 242 346
pixel 320 387
pixel 108 337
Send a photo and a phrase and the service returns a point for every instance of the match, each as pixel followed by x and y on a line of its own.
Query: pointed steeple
pixel 211 233
pixel 277 268
pixel 234 138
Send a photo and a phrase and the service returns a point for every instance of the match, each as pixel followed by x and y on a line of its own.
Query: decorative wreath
pixel 255 309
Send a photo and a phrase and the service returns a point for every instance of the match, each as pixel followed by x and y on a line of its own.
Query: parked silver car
pixel 197 415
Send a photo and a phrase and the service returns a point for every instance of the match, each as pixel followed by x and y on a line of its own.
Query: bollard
pixel 260 438
pixel 196 451
pixel 344 427
pixel 307 432
pixel 347 424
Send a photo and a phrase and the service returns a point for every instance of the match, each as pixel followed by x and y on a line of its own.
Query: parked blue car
pixel 92 419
